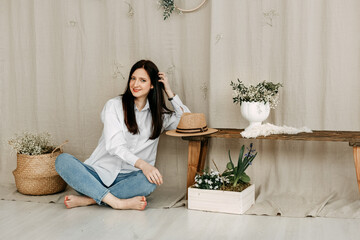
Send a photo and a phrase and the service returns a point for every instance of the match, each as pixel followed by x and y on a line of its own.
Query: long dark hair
pixel 155 97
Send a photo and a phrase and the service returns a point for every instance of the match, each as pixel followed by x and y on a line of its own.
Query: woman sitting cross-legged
pixel 120 172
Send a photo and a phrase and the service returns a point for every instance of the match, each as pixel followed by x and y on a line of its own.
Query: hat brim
pixel 176 134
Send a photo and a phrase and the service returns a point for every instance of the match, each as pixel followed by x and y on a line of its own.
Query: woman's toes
pixel 66 199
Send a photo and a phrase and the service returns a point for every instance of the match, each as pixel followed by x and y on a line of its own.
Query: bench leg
pixel 193 161
pixel 357 163
pixel 196 159
pixel 204 147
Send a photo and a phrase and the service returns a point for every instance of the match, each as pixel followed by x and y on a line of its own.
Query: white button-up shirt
pixel 118 149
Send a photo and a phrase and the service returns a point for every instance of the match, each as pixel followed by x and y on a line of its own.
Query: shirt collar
pixel 146 107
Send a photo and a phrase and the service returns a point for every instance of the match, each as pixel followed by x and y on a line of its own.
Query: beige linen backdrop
pixel 60 61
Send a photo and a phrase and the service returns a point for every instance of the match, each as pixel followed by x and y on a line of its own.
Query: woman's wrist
pixel 170 94
pixel 140 164
pixel 172 97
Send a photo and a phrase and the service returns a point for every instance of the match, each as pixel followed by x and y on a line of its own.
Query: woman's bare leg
pixel 136 203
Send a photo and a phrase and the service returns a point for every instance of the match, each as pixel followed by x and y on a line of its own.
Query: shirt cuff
pixel 178 106
pixel 131 158
pixel 176 101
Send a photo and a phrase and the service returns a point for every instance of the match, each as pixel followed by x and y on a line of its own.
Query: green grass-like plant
pixel 236 174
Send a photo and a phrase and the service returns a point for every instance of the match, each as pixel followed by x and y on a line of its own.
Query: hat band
pixel 192 130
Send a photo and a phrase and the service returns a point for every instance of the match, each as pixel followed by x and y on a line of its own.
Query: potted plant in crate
pixel 35 173
pixel 229 192
pixel 256 101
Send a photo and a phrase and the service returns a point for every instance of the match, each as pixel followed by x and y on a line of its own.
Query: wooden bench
pixel 198 146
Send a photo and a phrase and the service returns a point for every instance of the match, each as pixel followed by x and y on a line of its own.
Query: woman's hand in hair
pixel 150 172
pixel 164 80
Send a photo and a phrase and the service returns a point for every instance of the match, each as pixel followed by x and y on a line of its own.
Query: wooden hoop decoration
pixel 190 10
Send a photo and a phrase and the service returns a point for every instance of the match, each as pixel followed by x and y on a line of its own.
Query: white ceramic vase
pixel 255 112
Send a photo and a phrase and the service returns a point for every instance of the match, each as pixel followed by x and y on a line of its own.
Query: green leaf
pixel 226 174
pixel 239 165
pixel 247 162
pixel 245 178
pixel 232 165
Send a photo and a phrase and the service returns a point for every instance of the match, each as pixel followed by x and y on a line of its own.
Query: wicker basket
pixel 36 175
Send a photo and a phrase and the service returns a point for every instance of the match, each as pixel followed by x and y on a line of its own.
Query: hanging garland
pixel 169 6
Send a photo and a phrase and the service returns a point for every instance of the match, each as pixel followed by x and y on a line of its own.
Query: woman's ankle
pixel 137 203
pixel 111 200
pixel 72 201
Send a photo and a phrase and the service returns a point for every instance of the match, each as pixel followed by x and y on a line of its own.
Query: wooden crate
pixel 221 201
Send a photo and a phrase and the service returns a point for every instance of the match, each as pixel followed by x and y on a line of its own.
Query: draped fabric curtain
pixel 60 61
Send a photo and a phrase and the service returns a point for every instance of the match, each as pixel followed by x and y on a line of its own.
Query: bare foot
pixel 72 201
pixel 136 203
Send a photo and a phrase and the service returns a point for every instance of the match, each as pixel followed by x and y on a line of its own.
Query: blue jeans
pixel 83 179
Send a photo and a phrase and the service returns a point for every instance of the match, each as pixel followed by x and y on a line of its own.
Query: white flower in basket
pixel 35 173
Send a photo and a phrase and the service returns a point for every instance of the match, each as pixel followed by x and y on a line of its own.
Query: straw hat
pixel 191 124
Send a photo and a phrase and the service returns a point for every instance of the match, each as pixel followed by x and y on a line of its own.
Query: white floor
pixel 25 220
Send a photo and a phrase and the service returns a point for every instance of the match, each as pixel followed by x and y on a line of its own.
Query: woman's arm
pixel 164 80
pixel 150 172
pixel 171 121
